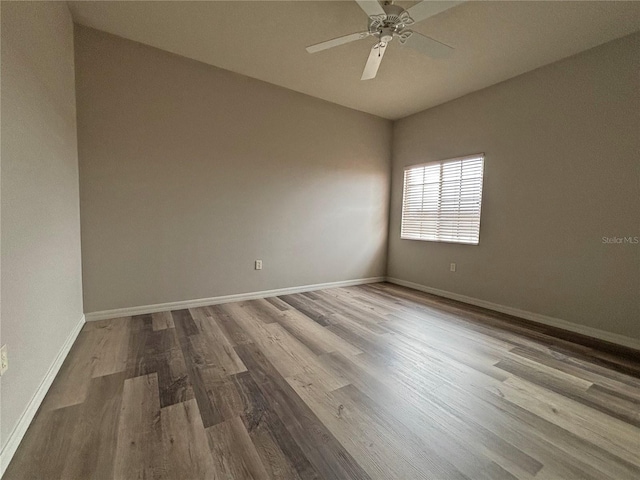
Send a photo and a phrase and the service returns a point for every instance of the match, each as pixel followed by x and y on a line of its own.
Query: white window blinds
pixel 441 200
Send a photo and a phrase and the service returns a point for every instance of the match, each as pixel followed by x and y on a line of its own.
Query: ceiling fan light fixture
pixel 386 35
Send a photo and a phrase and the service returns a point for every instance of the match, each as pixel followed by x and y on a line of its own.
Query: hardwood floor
pixel 374 381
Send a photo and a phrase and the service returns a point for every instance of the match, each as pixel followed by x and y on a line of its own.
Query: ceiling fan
pixel 388 21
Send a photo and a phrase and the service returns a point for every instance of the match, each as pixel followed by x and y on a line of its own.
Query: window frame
pixel 442 162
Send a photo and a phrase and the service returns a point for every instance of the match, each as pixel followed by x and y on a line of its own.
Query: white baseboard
pixel 202 302
pixel 27 416
pixel 534 317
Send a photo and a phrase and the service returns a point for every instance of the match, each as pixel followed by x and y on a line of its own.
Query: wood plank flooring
pixel 367 382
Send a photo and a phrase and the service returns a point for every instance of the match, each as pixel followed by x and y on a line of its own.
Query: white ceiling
pixel 494 41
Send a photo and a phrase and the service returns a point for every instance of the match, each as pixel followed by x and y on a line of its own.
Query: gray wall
pixel 189 173
pixel 41 273
pixel 561 172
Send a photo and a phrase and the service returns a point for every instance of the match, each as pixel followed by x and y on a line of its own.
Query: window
pixel 441 200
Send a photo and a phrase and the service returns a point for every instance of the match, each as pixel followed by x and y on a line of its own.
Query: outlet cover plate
pixel 4 359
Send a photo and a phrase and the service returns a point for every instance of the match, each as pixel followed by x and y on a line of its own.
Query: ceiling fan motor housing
pixel 390 24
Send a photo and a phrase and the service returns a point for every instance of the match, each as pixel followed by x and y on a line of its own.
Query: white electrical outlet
pixel 4 359
pixel 452 267
pixel 258 264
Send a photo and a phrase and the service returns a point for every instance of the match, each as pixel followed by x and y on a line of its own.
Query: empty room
pixel 341 239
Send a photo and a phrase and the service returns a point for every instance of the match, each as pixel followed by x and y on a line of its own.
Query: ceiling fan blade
pixel 337 41
pixel 427 8
pixel 425 45
pixel 373 62
pixel 371 7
